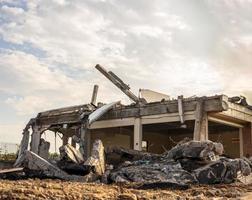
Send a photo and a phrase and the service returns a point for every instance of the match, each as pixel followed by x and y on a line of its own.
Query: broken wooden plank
pixel 12 170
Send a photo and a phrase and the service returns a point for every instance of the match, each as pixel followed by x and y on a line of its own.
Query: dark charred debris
pixel 187 163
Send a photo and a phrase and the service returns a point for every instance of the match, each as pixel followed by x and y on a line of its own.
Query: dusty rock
pixel 97 158
pixel 204 150
pixel 44 147
pixel 127 197
pixel 69 153
pixel 63 190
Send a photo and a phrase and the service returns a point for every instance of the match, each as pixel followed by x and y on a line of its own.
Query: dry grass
pixel 56 189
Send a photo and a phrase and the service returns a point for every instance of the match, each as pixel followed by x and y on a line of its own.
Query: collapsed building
pixel 145 125
pixel 155 140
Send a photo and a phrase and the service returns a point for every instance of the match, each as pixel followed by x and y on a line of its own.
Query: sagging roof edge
pixel 71 114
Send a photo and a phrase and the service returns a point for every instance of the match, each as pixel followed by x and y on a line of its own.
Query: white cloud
pixel 174 47
pixel 11 132
pixel 35 86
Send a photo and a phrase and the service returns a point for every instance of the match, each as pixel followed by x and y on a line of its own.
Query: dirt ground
pixel 56 189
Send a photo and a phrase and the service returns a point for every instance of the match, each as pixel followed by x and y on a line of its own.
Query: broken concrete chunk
pixel 205 150
pixel 213 173
pixel 39 167
pixel 68 152
pixel 118 155
pixel 97 158
pixel 44 147
pixel 74 168
pixel 222 171
pixel 32 161
pixel 152 171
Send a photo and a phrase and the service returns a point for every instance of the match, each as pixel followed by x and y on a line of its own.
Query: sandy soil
pixel 56 189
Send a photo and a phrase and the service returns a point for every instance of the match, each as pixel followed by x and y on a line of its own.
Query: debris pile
pixel 189 162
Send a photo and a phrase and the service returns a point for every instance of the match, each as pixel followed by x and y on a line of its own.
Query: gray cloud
pixel 176 47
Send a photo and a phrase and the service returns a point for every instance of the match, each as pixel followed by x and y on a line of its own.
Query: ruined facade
pixel 148 126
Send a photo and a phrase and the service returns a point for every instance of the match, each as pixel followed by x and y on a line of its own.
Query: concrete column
pixel 35 139
pixel 201 122
pixel 138 134
pixel 83 131
pixel 204 128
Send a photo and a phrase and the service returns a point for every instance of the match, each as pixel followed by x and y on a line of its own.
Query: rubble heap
pixel 186 163
pixel 189 162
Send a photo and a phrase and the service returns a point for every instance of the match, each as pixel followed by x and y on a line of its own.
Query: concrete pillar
pixel 201 122
pixel 138 134
pixel 35 139
pixel 204 128
pixel 83 132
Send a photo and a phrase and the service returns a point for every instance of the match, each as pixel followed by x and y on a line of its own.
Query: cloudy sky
pixel 48 50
